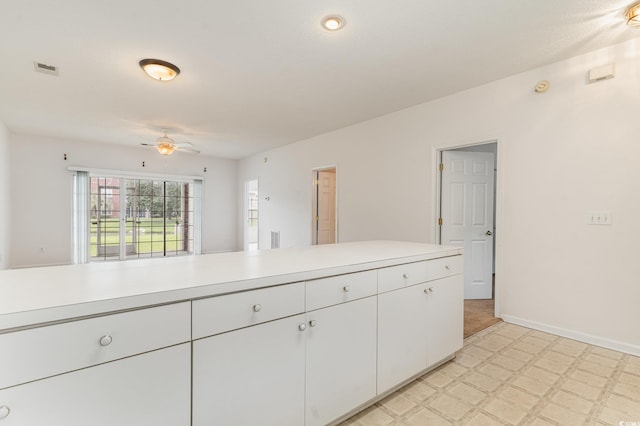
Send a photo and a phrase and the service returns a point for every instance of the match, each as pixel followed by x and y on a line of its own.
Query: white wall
pixel 560 154
pixel 5 226
pixel 41 193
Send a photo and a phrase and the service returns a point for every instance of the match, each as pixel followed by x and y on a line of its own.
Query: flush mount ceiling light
pixel 159 69
pixel 633 15
pixel 333 23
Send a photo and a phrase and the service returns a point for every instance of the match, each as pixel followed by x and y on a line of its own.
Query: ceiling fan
pixel 166 146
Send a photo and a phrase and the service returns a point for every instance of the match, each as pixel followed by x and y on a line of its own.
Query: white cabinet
pixel 148 389
pixel 445 318
pixel 341 359
pixel 402 335
pixel 252 376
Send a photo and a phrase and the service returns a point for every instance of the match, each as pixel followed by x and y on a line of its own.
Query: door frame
pixel 314 193
pixel 435 211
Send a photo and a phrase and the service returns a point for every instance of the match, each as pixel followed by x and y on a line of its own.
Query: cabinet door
pixel 446 318
pixel 341 359
pixel 402 335
pixel 251 376
pixel 148 389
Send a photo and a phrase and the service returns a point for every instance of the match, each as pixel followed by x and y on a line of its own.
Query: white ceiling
pixel 257 74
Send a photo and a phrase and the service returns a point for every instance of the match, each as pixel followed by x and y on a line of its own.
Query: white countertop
pixel 39 295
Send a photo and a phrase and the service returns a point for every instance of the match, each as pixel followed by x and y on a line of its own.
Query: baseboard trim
pixel 575 335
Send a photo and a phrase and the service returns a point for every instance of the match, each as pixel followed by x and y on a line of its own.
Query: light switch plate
pixel 599 218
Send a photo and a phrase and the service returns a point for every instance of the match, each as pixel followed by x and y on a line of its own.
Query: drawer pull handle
pixel 313 323
pixel 257 307
pixel 428 290
pixel 106 340
pixel 405 276
pixel 302 327
pixel 447 267
pixel 4 412
pixel 346 289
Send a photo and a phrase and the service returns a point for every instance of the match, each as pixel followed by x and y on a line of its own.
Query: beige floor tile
pixel 398 404
pixel 588 378
pixel 495 372
pixel 418 391
pixel 632 368
pixel 518 397
pixel 437 379
pixel 450 407
pixel 505 411
pixel 512 331
pixel 623 404
pixel 535 340
pixel 582 389
pixel 466 393
pixel 570 350
pixel 597 369
pixel 517 354
pixel 542 375
pixel 527 347
pixel 544 336
pixel 483 382
pixel 601 360
pixel 508 363
pixel 552 366
pixel 613 417
pixel 628 391
pixel 453 369
pixel 482 419
pixel 563 416
pixel 607 353
pixel 559 357
pixel 573 402
pixel 532 386
pixel 478 352
pixel 633 360
pixel 630 379
pixel 426 417
pixel 373 416
pixel 541 422
pixel 467 361
pixel 494 343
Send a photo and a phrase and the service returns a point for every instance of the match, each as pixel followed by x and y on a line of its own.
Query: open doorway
pixel 251 215
pixel 466 207
pixel 324 229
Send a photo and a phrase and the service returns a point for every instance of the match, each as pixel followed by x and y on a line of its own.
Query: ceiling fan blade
pixel 187 150
pixel 147 144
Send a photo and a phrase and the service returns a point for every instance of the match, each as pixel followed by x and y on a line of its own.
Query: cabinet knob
pixel 257 307
pixel 106 340
pixel 447 267
pixel 428 290
pixel 302 327
pixel 405 276
pixel 346 289
pixel 4 412
pixel 312 323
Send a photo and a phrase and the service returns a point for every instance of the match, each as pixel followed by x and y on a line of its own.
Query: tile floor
pixel 511 375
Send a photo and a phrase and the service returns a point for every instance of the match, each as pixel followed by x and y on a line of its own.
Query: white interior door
pixel 467 216
pixel 325 207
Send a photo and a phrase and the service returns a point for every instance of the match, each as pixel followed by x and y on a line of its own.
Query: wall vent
pixel 45 69
pixel 275 239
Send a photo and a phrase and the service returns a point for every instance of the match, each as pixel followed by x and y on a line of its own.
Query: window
pixel 118 218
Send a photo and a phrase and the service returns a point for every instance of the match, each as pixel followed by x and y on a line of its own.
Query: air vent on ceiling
pixel 46 69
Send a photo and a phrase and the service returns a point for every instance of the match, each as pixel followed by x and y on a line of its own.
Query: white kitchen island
pixel 301 336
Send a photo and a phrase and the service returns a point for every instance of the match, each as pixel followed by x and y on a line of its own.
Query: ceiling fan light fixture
pixel 165 148
pixel 633 15
pixel 159 69
pixel 333 23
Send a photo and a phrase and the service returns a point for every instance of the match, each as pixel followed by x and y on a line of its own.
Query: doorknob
pixel 489 233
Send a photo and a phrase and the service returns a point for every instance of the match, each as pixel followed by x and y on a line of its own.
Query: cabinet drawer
pixel 339 289
pixel 232 311
pixel 46 351
pixel 444 267
pixel 399 276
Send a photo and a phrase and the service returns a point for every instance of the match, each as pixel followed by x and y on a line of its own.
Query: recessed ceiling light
pixel 159 69
pixel 633 15
pixel 333 23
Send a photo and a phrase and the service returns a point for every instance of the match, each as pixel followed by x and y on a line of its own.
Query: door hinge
pixel 440 221
pixel 441 167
